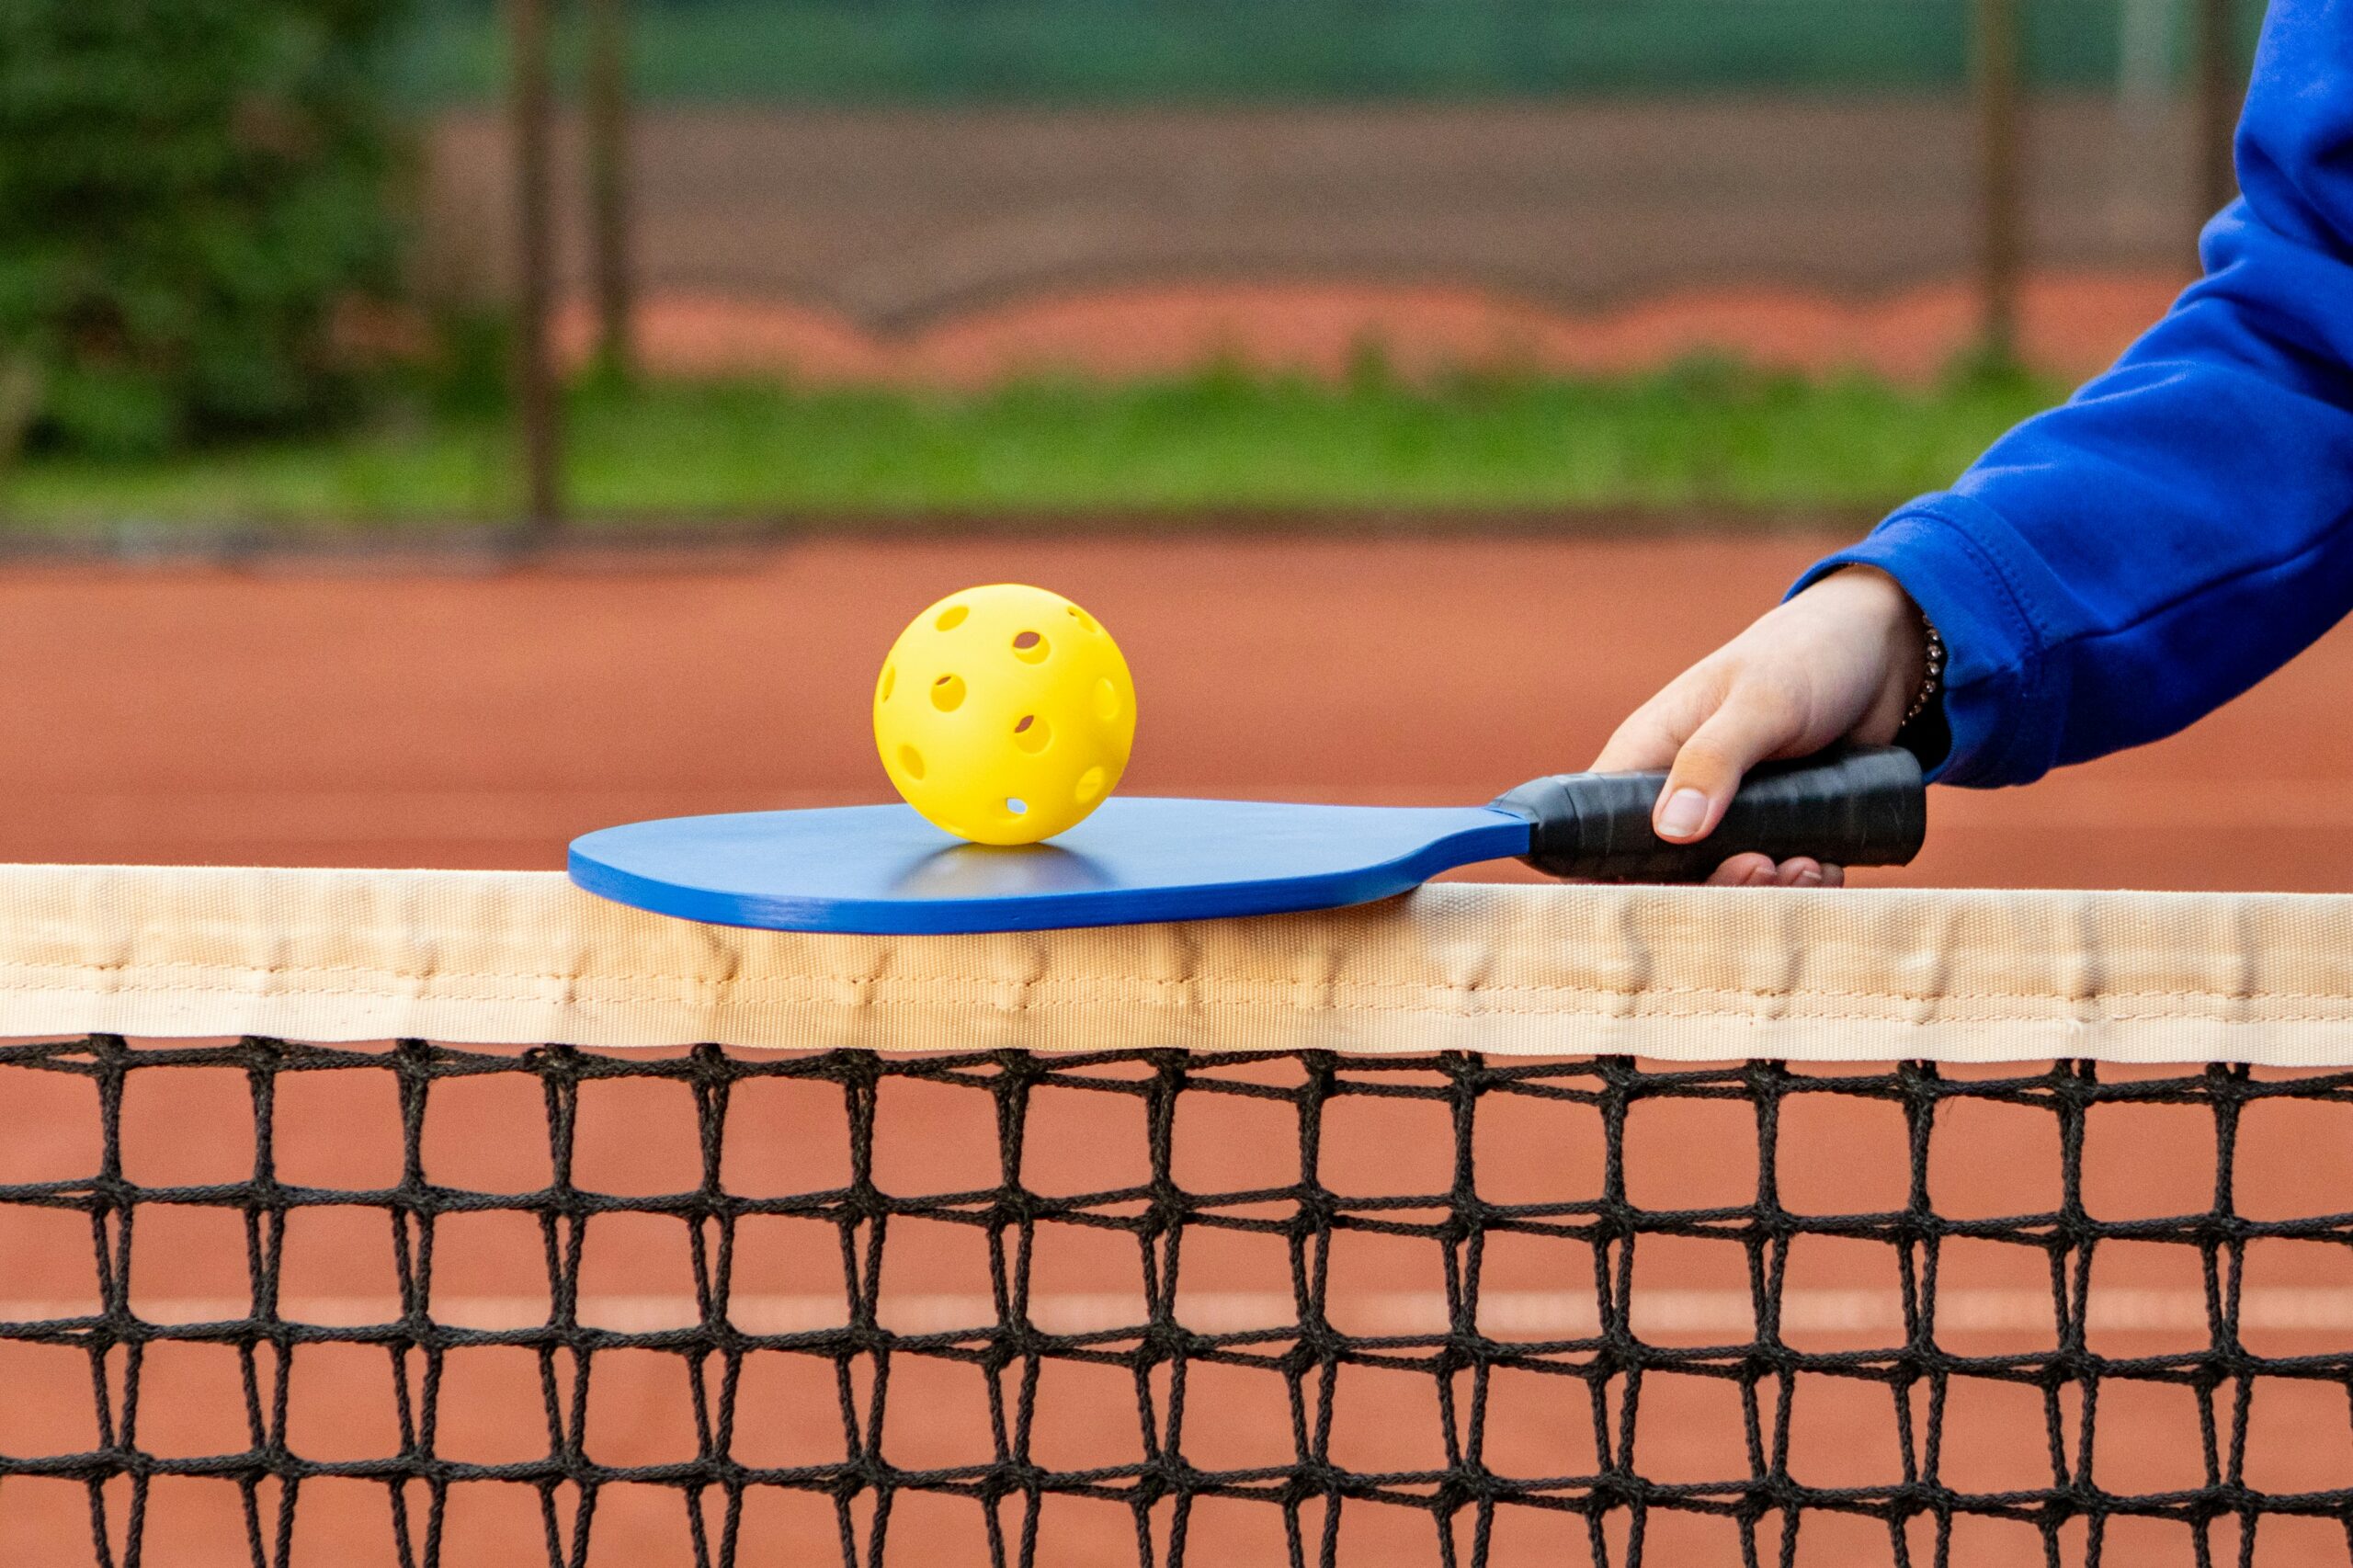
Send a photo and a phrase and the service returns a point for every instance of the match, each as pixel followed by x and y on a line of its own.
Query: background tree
pixel 194 195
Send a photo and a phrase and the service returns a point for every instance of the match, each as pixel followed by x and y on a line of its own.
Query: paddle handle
pixel 1864 806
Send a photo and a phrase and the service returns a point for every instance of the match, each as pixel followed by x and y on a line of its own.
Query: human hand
pixel 1841 661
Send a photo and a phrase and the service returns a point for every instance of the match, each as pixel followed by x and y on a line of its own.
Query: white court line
pixel 1505 1314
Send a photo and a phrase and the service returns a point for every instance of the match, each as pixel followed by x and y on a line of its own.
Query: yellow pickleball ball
pixel 1004 714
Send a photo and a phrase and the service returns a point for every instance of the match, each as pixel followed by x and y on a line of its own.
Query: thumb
pixel 1747 729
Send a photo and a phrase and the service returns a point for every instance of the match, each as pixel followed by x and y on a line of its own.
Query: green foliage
pixel 1708 437
pixel 190 193
pixel 469 378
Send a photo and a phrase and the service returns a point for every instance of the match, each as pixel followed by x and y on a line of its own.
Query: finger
pixel 1802 871
pixel 1834 876
pixel 1653 733
pixel 1742 871
pixel 1643 743
pixel 1746 731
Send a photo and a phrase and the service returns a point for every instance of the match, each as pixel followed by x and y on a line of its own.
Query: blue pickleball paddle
pixel 883 870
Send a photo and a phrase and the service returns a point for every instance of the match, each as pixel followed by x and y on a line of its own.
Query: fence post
pixel 538 413
pixel 2218 92
pixel 608 183
pixel 2000 182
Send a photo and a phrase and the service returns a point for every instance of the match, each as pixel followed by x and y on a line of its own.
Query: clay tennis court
pixel 358 714
pixel 294 714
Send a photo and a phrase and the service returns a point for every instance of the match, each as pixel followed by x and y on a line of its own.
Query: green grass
pixel 1704 436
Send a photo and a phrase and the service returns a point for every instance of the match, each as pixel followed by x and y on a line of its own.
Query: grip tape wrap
pixel 1863 806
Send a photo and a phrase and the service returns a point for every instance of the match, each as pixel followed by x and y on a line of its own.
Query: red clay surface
pixel 2069 323
pixel 480 720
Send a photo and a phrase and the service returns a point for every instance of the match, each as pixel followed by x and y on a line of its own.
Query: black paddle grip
pixel 1865 806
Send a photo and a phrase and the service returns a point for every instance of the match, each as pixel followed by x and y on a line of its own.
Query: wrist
pixel 1908 663
pixel 1916 661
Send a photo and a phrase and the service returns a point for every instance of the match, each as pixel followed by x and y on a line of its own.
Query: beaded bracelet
pixel 1932 679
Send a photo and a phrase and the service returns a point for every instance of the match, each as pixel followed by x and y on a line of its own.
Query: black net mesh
pixel 1160 1307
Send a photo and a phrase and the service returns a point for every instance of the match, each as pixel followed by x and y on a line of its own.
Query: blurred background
pixel 547 411
pixel 273 262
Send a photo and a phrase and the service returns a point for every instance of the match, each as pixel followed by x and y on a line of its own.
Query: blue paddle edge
pixel 882 870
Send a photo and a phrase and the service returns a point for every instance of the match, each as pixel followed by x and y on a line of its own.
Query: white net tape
pixel 512 958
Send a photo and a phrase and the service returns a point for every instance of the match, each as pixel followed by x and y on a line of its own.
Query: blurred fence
pixel 907 221
pixel 965 52
pixel 961 190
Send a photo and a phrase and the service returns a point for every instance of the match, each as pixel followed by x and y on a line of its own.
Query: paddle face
pixel 883 870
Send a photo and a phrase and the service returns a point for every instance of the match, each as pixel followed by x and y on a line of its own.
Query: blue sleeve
pixel 2118 566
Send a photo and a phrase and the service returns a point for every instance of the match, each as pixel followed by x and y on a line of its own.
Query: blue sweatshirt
pixel 2118 566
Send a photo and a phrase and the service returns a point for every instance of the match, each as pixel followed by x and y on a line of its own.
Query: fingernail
pixel 1809 879
pixel 1681 816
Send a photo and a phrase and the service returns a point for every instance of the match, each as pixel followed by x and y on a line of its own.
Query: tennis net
pixel 459 1219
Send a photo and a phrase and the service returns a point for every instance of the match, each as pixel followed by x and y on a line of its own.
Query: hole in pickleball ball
pixel 1032 734
pixel 1090 784
pixel 948 693
pixel 951 618
pixel 890 679
pixel 1080 615
pixel 911 762
pixel 1030 648
pixel 1107 700
pixel 1017 806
